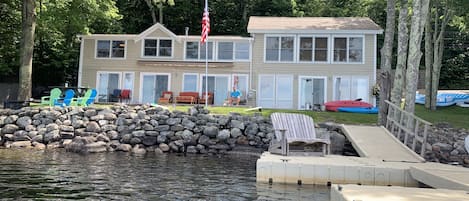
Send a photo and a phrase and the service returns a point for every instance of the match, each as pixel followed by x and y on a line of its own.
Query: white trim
pixel 280 47
pixel 196 84
pixel 311 77
pixel 80 64
pixel 313 31
pixel 314 36
pixel 347 38
pixel 259 90
pixel 140 97
pixel 374 65
pixel 110 49
pixel 142 50
pixel 154 28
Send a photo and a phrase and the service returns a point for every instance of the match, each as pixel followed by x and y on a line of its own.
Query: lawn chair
pixel 125 95
pixel 295 130
pixel 166 97
pixel 66 100
pixel 50 100
pixel 86 100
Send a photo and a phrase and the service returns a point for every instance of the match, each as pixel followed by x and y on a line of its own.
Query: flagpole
pixel 206 64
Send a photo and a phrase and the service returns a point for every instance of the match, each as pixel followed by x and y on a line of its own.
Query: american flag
pixel 205 25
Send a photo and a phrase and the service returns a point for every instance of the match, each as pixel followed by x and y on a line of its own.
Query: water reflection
pixel 27 174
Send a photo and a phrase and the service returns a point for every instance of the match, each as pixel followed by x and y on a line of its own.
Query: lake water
pixel 58 175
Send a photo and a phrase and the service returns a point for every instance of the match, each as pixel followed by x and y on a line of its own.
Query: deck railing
pixel 406 126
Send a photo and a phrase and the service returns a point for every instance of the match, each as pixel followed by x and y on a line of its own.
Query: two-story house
pixel 287 62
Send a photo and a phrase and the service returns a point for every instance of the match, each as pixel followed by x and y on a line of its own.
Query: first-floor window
pixel 351 88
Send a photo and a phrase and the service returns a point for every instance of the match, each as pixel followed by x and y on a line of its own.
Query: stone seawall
pixel 137 129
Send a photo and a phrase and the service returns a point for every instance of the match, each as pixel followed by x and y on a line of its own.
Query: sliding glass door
pixel 312 91
pixel 153 86
pixel 218 85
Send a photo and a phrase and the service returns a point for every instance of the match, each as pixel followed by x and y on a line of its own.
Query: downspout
pixel 80 64
pixel 250 62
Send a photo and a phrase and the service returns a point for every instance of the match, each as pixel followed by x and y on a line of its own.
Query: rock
pixel 124 147
pixel 242 140
pixel 204 140
pixel 21 135
pixel 188 124
pixel 135 140
pixel 108 127
pixel 30 128
pixel 9 128
pixel 252 129
pixel 109 116
pixel 148 127
pixel 443 146
pixel 24 121
pixel 237 124
pixel 149 140
pixel 236 132
pixel 10 119
pixel 66 128
pixel 139 133
pixel 52 127
pixel 219 147
pixel 158 151
pixel 162 128
pixel 103 138
pixel 139 149
pixel 337 143
pixel 151 133
pixel 94 127
pixel 21 144
pixel 223 135
pixel 187 135
pixel 39 146
pixel 90 113
pixel 97 117
pixel 95 147
pixel 161 139
pixel 37 138
pixel 178 127
pixel 211 131
pixel 163 147
pixel 51 136
pixel 53 145
pixel 191 150
pixel 200 147
pixel 173 121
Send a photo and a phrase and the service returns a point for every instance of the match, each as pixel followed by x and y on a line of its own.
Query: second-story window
pixel 157 48
pixel 348 49
pixel 313 49
pixel 230 51
pixel 242 51
pixel 196 51
pixel 110 49
pixel 279 48
pixel 225 51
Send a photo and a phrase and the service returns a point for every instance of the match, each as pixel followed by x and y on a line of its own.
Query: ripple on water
pixel 26 174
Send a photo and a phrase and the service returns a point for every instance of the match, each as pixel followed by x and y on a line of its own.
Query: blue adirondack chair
pixel 92 97
pixel 66 100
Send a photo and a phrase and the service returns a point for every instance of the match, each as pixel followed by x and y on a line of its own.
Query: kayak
pixel 334 105
pixel 369 110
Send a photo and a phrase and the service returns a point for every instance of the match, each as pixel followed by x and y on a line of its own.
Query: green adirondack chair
pixel 83 101
pixel 50 100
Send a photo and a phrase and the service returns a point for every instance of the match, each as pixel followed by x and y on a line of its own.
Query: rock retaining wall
pixel 137 129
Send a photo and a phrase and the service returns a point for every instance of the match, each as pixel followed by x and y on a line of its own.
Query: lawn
pixel 454 115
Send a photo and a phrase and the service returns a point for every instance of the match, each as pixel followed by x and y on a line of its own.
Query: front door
pixel 153 86
pixel 218 85
pixel 312 92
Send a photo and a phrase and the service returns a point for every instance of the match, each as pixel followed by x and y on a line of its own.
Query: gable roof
pixel 154 28
pixel 259 24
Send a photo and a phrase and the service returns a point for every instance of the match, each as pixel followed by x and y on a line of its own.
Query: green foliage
pixel 10 32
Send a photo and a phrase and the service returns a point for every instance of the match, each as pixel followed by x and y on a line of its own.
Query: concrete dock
pixel 384 161
pixel 394 193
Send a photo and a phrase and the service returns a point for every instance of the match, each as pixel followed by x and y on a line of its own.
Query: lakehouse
pixel 288 62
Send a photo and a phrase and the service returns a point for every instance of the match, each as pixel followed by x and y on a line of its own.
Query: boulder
pixel 9 128
pixel 24 121
pixel 211 131
pixel 124 147
pixel 191 150
pixel 163 147
pixel 95 147
pixel 223 135
pixel 94 127
pixel 235 132
pixel 188 124
pixel 237 124
pixel 51 136
pixel 21 144
pixel 149 140
pixel 10 119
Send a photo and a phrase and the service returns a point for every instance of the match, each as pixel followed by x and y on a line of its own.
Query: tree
pixel 10 20
pixel 27 47
pixel 402 45
pixel 428 59
pixel 386 58
pixel 158 4
pixel 420 10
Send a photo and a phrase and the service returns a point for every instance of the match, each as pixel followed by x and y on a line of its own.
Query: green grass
pixel 456 116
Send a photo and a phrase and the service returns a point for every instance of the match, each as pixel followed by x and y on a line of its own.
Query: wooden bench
pixel 187 97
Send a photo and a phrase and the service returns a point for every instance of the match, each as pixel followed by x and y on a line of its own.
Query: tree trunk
pixel 420 10
pixel 152 11
pixel 402 45
pixel 428 60
pixel 438 57
pixel 27 47
pixel 386 58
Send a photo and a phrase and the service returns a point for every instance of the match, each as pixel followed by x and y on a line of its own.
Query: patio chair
pixel 66 100
pixel 166 97
pixel 295 130
pixel 115 96
pixel 86 100
pixel 210 98
pixel 125 95
pixel 50 100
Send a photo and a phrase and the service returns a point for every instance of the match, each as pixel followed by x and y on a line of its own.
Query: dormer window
pixel 110 49
pixel 157 48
